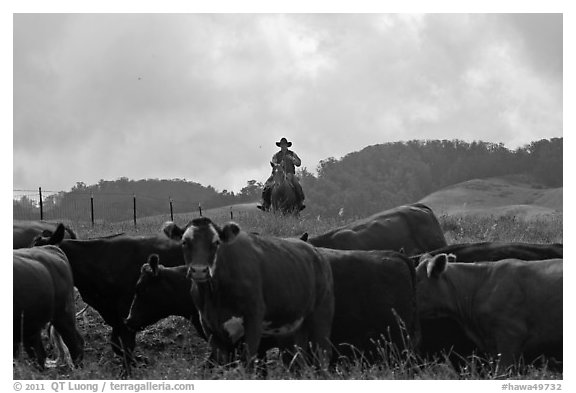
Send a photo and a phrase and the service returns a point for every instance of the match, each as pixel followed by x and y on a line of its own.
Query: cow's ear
pixel 437 265
pixel 229 232
pixel 172 230
pixel 153 261
pixel 58 234
pixel 451 258
pixel 304 237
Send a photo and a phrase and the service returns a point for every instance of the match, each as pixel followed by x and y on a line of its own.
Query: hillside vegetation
pixel 361 183
pixel 383 176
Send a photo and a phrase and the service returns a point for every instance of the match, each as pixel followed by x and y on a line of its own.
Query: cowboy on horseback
pixel 289 160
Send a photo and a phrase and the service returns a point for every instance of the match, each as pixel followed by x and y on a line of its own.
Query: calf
pixel 43 291
pixel 160 292
pixel 511 308
pixel 248 286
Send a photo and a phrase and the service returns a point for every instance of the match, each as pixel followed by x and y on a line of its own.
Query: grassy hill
pixel 510 195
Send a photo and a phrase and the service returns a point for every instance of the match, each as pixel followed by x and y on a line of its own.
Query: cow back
pixel 411 228
pixel 495 251
pixel 24 232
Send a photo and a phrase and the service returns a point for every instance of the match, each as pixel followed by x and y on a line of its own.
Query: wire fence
pixel 95 208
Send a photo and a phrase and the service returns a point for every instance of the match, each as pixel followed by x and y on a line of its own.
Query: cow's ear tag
pixel 229 232
pixel 146 269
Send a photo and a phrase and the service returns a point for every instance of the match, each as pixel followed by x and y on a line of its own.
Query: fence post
pixel 200 209
pixel 171 210
pixel 231 214
pixel 41 206
pixel 92 209
pixel 134 197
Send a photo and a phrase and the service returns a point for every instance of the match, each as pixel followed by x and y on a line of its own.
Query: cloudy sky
pixel 205 96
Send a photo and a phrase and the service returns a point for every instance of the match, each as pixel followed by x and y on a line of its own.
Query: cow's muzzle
pixel 198 273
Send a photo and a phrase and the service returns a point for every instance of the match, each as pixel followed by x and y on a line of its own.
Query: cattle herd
pixel 386 281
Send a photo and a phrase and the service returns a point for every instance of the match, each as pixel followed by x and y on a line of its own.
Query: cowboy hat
pixel 283 140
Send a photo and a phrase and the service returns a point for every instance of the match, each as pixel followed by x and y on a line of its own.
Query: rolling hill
pixel 509 195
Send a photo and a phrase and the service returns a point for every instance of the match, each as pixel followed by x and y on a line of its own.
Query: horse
pixel 283 196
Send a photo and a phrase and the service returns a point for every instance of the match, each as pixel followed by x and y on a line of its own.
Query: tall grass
pixel 468 229
pixel 171 349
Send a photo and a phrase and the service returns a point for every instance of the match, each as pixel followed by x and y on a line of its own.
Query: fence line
pixel 92 208
pixel 35 193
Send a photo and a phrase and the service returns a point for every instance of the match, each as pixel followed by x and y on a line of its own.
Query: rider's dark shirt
pixel 288 164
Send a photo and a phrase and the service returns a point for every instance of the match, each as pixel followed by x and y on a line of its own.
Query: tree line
pixel 386 175
pixel 375 178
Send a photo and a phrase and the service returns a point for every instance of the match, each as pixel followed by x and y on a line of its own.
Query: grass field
pixel 172 350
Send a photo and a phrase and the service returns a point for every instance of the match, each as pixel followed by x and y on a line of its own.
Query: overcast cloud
pixel 204 97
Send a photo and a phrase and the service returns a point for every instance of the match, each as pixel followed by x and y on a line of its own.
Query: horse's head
pixel 283 195
pixel 278 173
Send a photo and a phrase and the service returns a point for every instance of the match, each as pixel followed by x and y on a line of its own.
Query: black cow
pixel 24 232
pixel 160 292
pixel 106 270
pixel 375 300
pixel 411 228
pixel 249 286
pixel 43 291
pixel 509 308
pixel 374 293
pixel 444 334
